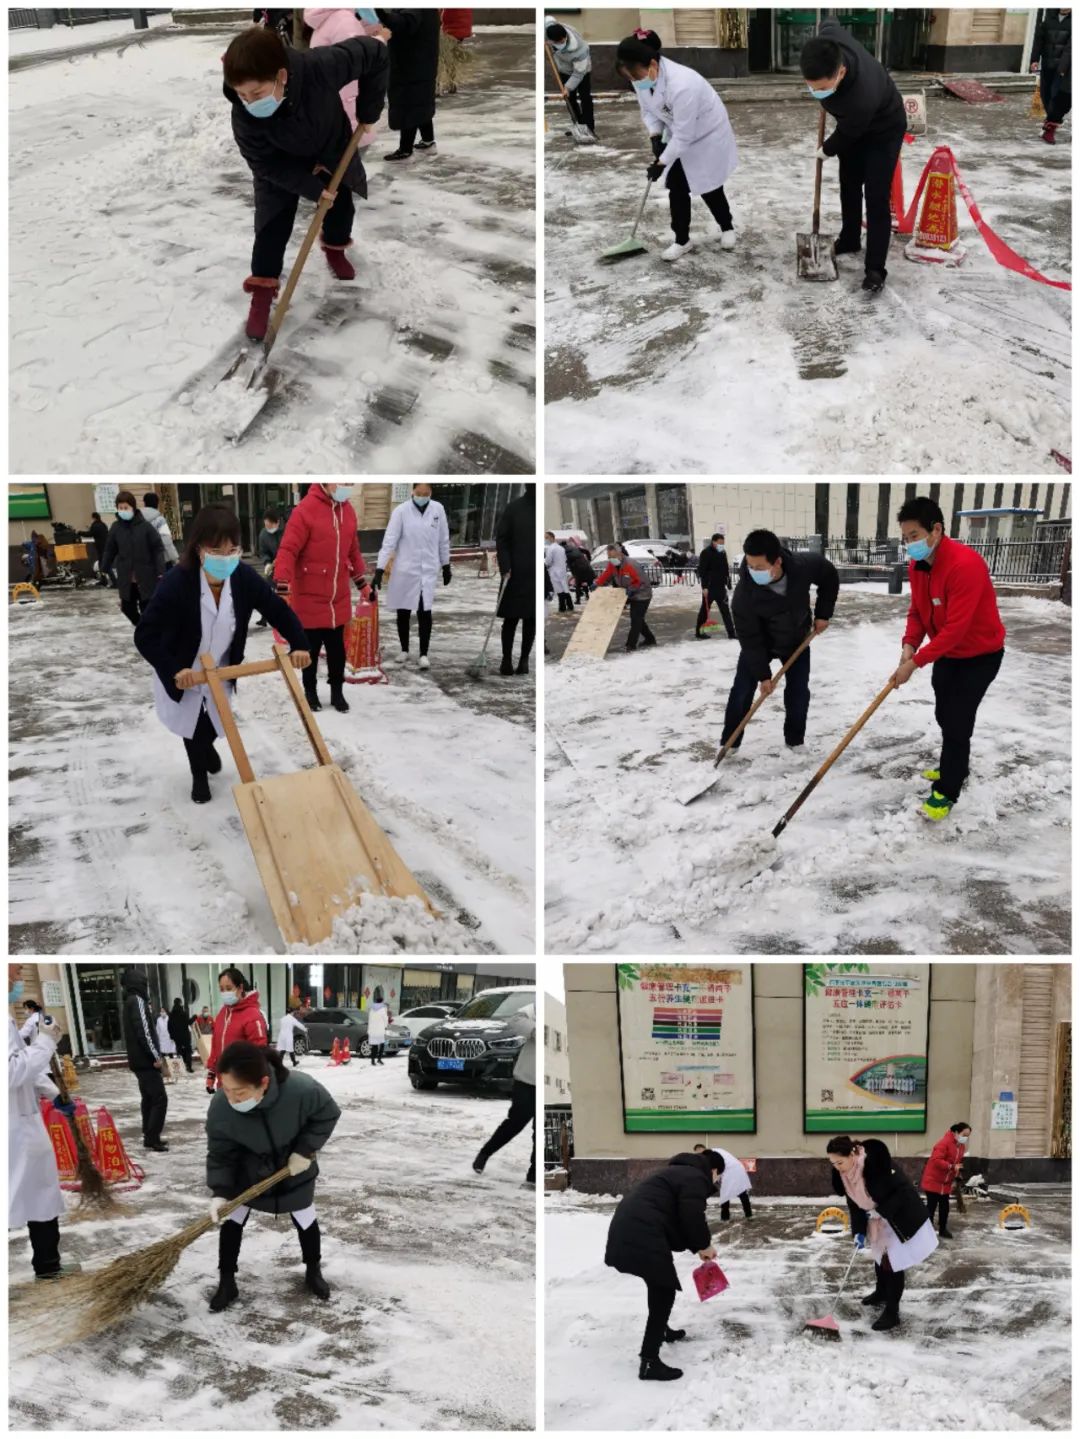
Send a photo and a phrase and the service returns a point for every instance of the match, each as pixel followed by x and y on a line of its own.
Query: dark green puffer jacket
pixel 298 1114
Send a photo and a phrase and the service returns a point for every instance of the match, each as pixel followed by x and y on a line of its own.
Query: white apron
pixel 903 1254
pixel 34 1191
pixel 734 1180
pixel 699 131
pixel 555 560
pixel 419 541
pixel 218 629
pixel 378 1019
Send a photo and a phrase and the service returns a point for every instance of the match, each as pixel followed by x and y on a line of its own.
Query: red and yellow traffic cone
pixel 937 236
pixel 345 1053
pixel 335 1052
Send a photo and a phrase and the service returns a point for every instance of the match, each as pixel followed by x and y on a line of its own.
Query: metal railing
pixel 24 19
pixel 1038 561
pixel 558 1136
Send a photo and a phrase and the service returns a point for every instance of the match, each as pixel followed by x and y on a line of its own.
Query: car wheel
pixel 363 1049
pixel 419 1082
pixel 300 1046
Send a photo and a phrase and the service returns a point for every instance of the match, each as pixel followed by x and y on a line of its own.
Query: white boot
pixel 403 658
pixel 675 251
pixel 727 239
pixel 425 663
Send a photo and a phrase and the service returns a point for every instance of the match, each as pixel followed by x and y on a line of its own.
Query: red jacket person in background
pixel 631 577
pixel 318 552
pixel 240 1018
pixel 954 608
pixel 941 1172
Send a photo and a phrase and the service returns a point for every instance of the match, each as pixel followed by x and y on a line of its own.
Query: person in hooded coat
pixel 555 563
pixel 515 547
pixel 144 1056
pixel 887 1216
pixel 134 550
pixel 662 1215
pixel 942 1171
pixel 418 539
pixel 413 47
pixel 378 1018
pixel 240 1018
pixel 263 1119
pixel 289 125
pixel 318 554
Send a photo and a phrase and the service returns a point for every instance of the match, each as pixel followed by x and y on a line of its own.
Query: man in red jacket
pixel 954 606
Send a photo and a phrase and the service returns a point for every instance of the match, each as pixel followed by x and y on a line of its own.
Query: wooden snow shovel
pixel 815 254
pixel 581 133
pixel 248 375
pixel 317 847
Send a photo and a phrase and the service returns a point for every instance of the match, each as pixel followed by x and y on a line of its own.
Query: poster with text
pixel 865 1029
pixel 686 1037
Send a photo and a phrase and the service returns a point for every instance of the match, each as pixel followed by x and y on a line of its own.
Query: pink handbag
pixel 710 1280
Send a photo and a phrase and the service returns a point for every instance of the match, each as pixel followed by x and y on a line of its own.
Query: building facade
pixel 769 1060
pixel 556 1053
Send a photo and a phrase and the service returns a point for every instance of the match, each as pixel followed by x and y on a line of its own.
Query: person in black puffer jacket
pixel 261 1119
pixel 515 547
pixel 135 551
pixel 662 1215
pixel 859 93
pixel 888 1216
pixel 714 572
pixel 1051 55
pixel 414 66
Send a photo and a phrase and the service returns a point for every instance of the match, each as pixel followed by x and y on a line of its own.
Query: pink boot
pixel 338 260
pixel 263 293
pixel 1049 131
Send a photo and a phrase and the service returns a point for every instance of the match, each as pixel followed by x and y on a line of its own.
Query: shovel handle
pixel 555 72
pixel 816 226
pixel 837 752
pixel 761 699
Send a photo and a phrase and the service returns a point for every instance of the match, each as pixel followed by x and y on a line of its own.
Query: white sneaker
pixel 675 251
pixel 402 658
pixel 727 239
pixel 425 663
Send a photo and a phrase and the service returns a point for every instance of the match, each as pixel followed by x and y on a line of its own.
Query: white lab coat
pixel 555 559
pixel 286 1035
pixel 699 131
pixel 27 1030
pixel 378 1019
pixel 218 628
pixel 734 1180
pixel 34 1191
pixel 419 540
pixel 166 1043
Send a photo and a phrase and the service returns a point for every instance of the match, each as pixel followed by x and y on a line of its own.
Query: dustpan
pixel 317 846
pixel 631 245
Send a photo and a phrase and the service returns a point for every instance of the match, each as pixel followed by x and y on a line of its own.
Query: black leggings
pixel 936 1203
pixel 889 1284
pixel 231 1237
pixel 423 623
pixel 200 747
pixel 661 1303
pixel 45 1245
pixel 679 200
pixel 522 1110
pixel 132 608
pixel 744 1200
pixel 408 135
pixel 334 640
pixel 528 635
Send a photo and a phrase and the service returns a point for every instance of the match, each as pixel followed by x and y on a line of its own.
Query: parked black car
pixel 326 1025
pixel 478 1045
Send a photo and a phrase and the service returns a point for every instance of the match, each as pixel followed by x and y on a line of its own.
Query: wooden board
pixel 313 839
pixel 594 629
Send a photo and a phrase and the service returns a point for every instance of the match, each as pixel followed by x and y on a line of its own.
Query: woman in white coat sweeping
pixel 555 563
pixel 699 154
pixel 35 1198
pixel 377 1025
pixel 418 537
pixel 170 1059
pixel 286 1036
pixel 734 1182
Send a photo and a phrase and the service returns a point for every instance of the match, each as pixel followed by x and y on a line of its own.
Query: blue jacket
pixel 170 631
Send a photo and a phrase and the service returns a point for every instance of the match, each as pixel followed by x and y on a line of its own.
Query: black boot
pixel 657 1369
pixel 876 1298
pixel 226 1293
pixel 311 1249
pixel 200 788
pixel 213 761
pixel 889 1319
pixel 874 281
pixel 479 1162
pixel 725 1211
pixel 672 1336
pixel 522 668
pixel 313 1278
pixel 945 1234
pixel 312 697
pixel 507 666
pixel 339 702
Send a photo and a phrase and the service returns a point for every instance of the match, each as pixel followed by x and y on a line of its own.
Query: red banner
pixel 362 651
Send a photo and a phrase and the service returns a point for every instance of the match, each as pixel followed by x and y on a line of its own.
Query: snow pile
pixel 381 924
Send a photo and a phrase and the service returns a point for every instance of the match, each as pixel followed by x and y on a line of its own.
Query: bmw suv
pixel 479 1044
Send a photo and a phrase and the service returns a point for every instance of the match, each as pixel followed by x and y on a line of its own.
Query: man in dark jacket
pixel 99 533
pixel 579 565
pixel 269 540
pixel 714 572
pixel 180 1032
pixel 414 66
pixel 664 1214
pixel 134 548
pixel 858 92
pixel 1051 55
pixel 515 546
pixel 291 128
pixel 772 616
pixel 143 1056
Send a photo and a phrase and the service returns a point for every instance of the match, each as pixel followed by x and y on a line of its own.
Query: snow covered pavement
pixel 629 869
pixel 110 856
pixel 983 1345
pixel 743 368
pixel 431 1320
pixel 122 322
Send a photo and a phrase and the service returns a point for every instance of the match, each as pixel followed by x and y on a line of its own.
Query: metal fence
pixel 32 19
pixel 558 1136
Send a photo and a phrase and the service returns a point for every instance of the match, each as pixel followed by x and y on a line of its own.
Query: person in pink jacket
pixel 329 26
pixel 318 553
pixel 945 1162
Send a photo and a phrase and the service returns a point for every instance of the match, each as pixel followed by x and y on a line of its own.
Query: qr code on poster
pixel 648 1094
pixel 826 1096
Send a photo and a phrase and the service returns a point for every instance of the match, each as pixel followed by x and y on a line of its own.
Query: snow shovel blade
pixel 582 134
pixel 815 256
pixel 689 795
pixel 623 251
pixel 254 385
pixel 826 1328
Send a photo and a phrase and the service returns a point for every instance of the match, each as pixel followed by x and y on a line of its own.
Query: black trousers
pixel 200 746
pixel 867 168
pixel 796 699
pixel 639 630
pixel 528 635
pixel 720 600
pixel 936 1203
pixel 744 1200
pixel 889 1284
pixel 423 624
pixel 231 1237
pixel 679 201
pixel 408 134
pixel 959 687
pixel 377 1052
pixel 44 1245
pixel 661 1303
pixel 522 1110
pixel 155 1103
pixel 183 1049
pixel 1056 97
pixel 566 603
pixel 334 640
pixel 132 608
pixel 268 251
pixel 581 103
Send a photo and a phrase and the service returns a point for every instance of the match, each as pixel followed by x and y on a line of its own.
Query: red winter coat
pixel 240 1021
pixel 457 23
pixel 953 601
pixel 318 552
pixel 943 1166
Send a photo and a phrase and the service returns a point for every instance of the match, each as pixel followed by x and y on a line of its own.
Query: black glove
pixel 446 574
pixel 657 143
pixel 67 1109
pixel 281 588
pixel 655 170
pixel 377 581
pixel 211 1085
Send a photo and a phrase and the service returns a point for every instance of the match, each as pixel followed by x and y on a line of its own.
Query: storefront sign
pixel 686 1041
pixel 1003 1111
pixel 865 1030
pixel 105 499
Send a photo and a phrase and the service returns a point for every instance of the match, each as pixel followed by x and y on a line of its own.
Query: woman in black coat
pixel 205 603
pixel 664 1214
pixel 515 543
pixel 414 66
pixel 887 1214
pixel 134 547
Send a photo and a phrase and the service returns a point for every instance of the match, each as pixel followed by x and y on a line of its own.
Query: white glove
pixel 872 1214
pixel 217 1204
pixel 298 1163
pixel 821 155
pixel 49 1028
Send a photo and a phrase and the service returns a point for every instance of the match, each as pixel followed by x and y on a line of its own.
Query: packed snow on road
pixel 983 1344
pixel 110 856
pixel 630 869
pixel 432 1271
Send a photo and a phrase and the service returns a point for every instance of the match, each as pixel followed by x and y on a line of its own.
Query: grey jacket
pixel 298 1114
pixel 574 62
pixel 525 1064
pixel 161 524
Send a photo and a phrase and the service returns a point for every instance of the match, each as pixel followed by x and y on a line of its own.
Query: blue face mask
pixel 917 550
pixel 229 996
pixel 264 108
pixel 719 548
pixel 615 560
pixel 341 493
pixel 643 86
pixel 220 568
pixel 125 514
pixel 421 501
pixel 15 993
pixel 369 17
pixel 822 94
pixel 245 1106
pixel 760 577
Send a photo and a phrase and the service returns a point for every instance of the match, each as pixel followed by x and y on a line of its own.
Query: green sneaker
pixel 936 806
pixel 931 774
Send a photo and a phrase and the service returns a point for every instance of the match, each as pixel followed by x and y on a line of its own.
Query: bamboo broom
pixel 95 1199
pixel 44 1318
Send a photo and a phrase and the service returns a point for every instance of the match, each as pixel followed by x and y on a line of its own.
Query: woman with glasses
pixel 204 604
